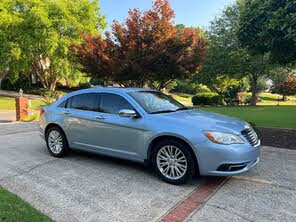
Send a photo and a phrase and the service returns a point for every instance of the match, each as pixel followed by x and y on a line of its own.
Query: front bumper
pixel 224 160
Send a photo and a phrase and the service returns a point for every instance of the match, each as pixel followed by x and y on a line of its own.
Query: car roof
pixel 110 89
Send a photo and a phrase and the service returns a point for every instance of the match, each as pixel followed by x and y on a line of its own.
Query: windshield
pixel 156 102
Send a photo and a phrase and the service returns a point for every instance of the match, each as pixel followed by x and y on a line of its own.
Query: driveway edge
pixel 196 199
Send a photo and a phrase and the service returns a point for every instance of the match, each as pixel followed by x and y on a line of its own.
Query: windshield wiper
pixel 182 108
pixel 163 111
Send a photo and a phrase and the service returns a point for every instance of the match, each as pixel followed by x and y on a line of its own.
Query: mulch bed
pixel 283 138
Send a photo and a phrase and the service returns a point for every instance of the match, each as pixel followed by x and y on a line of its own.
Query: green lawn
pixel 265 116
pixel 267 99
pixel 13 209
pixel 9 103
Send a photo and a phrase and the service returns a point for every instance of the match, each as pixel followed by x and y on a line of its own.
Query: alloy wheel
pixel 55 142
pixel 171 162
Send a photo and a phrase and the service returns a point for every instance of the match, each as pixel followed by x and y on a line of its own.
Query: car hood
pixel 207 120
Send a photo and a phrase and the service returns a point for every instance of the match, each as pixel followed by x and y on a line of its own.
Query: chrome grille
pixel 251 136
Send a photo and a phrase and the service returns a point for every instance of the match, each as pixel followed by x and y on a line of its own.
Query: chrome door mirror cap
pixel 127 113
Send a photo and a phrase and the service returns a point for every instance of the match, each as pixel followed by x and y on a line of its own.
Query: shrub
pixel 186 86
pixel 22 82
pixel 207 98
pixel 248 100
pixel 84 85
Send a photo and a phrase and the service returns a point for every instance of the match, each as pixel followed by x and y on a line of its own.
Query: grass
pixel 267 99
pixel 264 116
pixel 9 103
pixel 13 209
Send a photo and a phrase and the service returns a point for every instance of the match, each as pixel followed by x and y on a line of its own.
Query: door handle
pixel 66 112
pixel 100 117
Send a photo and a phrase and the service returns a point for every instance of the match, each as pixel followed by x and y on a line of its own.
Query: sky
pixel 188 12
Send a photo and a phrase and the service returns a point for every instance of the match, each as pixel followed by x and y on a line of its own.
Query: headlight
pixel 223 138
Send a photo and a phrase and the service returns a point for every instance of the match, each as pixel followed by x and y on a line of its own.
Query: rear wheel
pixel 173 161
pixel 56 141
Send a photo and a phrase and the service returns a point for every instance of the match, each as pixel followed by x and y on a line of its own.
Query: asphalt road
pixel 83 187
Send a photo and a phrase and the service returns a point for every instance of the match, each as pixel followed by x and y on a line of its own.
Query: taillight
pixel 42 111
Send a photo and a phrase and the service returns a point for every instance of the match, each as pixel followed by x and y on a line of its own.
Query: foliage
pixel 207 99
pixel 187 86
pixel 287 87
pixel 84 85
pixel 242 86
pixel 20 83
pixel 248 100
pixel 262 85
pixel 35 36
pixel 269 26
pixel 283 80
pixel 244 98
pixel 145 50
pixel 227 61
pixel 50 97
pixel 221 84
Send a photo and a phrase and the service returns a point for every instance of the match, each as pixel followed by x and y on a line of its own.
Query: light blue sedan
pixel 148 126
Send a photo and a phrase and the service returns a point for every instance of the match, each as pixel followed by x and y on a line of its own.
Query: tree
pixel 227 60
pixel 284 80
pixel 145 50
pixel 35 36
pixel 269 26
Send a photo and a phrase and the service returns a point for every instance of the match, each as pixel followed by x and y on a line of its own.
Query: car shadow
pixel 123 164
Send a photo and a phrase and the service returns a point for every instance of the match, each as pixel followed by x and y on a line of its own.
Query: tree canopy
pixel 227 60
pixel 269 26
pixel 147 49
pixel 35 36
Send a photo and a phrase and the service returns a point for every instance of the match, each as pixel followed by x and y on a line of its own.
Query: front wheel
pixel 56 142
pixel 173 161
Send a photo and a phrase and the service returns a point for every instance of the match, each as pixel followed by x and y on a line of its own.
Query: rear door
pixel 80 112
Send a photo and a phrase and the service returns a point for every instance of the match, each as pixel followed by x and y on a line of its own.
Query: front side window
pixel 87 101
pixel 112 103
pixel 63 104
pixel 156 102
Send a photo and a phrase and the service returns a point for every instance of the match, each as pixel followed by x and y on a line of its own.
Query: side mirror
pixel 127 113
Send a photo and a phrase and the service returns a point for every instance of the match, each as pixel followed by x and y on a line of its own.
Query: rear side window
pixel 87 101
pixel 111 103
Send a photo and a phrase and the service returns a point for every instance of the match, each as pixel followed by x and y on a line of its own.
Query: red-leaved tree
pixel 147 49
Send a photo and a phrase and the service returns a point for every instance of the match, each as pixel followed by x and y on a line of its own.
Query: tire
pixel 166 165
pixel 57 136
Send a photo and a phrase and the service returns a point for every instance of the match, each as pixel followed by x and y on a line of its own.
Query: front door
pixel 114 134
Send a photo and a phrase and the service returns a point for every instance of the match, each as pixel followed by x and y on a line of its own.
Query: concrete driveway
pixel 84 187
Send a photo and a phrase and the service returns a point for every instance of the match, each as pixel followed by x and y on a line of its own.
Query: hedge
pixel 207 98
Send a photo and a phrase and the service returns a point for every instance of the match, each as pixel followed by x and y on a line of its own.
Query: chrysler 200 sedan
pixel 148 126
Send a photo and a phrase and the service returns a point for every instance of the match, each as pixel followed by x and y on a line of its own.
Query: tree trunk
pixel 52 86
pixel 284 98
pixel 254 91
